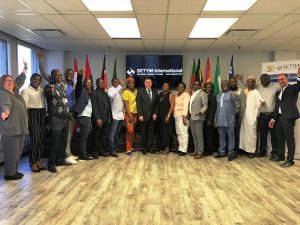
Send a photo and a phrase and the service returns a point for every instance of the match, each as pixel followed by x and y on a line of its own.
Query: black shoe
pixel 63 163
pixel 20 174
pixel 144 151
pixel 251 155
pixel 230 157
pixel 95 155
pixel 207 153
pixel 260 154
pixel 176 152
pixel 287 164
pixel 113 154
pixel 278 159
pixel 13 177
pixel 182 154
pixel 85 157
pixel 51 168
pixel 151 151
pixel 219 156
pixel 104 154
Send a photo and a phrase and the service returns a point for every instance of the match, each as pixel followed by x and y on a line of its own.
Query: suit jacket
pixel 288 102
pixel 199 104
pixel 145 106
pixel 81 95
pixel 101 106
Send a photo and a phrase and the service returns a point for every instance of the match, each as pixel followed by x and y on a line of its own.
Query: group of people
pixel 241 117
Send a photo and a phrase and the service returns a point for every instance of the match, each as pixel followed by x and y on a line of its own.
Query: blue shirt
pixel 225 114
pixel 70 95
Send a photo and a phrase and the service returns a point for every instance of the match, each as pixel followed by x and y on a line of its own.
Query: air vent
pixel 240 33
pixel 49 33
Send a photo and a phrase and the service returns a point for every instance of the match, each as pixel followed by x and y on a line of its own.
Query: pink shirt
pixel 181 104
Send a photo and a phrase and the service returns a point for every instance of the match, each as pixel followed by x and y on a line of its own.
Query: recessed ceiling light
pixel 211 27
pixel 120 27
pixel 228 5
pixel 108 5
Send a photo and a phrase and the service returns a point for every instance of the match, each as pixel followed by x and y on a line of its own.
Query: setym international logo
pixel 130 72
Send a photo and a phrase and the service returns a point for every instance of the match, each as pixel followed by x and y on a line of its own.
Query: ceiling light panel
pixel 228 5
pixel 108 5
pixel 120 27
pixel 211 27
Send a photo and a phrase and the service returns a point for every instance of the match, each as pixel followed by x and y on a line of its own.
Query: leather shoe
pixel 198 156
pixel 144 151
pixel 35 168
pixel 230 157
pixel 207 153
pixel 151 151
pixel 277 159
pixel 113 154
pixel 219 156
pixel 287 164
pixel 13 177
pixel 251 155
pixel 182 154
pixel 63 163
pixel 193 153
pixel 52 168
pixel 104 154
pixel 260 154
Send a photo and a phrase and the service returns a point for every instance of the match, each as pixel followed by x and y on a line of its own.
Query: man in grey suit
pixel 197 108
pixel 147 110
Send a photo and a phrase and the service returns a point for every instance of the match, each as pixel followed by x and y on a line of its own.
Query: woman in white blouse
pixel 34 99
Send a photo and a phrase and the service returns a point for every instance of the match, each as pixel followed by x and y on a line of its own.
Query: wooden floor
pixel 155 189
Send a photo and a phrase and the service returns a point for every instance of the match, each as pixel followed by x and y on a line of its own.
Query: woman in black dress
pixel 165 119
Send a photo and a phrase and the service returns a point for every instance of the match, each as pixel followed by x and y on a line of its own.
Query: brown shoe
pixel 198 156
pixel 193 154
pixel 166 151
pixel 160 152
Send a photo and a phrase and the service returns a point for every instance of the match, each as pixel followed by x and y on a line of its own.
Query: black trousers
pixel 147 129
pixel 263 130
pixel 36 127
pixel 285 134
pixel 237 133
pixel 58 138
pixel 100 138
pixel 210 138
pixel 165 132
pixel 85 127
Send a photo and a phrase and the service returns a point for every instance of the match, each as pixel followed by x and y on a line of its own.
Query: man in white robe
pixel 251 100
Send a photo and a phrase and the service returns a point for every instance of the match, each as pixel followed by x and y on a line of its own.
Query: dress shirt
pixel 268 94
pixel 33 98
pixel 117 106
pixel 280 96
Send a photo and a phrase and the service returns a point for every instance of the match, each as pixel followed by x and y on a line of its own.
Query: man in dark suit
pixel 147 110
pixel 284 119
pixel 102 117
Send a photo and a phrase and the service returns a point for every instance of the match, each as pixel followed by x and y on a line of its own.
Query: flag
pixel 200 73
pixel 103 74
pixel 193 74
pixel 207 72
pixel 217 78
pixel 75 71
pixel 88 72
pixel 197 77
pixel 231 69
pixel 115 69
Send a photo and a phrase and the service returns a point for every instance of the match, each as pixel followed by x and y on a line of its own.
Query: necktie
pixel 149 93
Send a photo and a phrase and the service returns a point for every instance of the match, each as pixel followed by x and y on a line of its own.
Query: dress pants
pixel 12 150
pixel 285 134
pixel 229 132
pixel 263 129
pixel 71 124
pixel 85 127
pixel 197 132
pixel 58 128
pixel 100 138
pixel 147 129
pixel 210 141
pixel 165 132
pixel 182 134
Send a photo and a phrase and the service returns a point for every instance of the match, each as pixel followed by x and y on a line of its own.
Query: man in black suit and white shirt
pixel 146 109
pixel 285 115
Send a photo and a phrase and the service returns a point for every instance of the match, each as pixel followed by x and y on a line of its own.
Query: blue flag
pixel 231 69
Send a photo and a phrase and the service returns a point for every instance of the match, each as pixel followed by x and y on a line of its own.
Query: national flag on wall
pixel 231 69
pixel 103 74
pixel 200 73
pixel 75 71
pixel 217 79
pixel 197 76
pixel 115 69
pixel 207 71
pixel 88 72
pixel 193 74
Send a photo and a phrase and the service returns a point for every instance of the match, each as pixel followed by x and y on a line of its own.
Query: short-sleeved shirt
pixel 131 98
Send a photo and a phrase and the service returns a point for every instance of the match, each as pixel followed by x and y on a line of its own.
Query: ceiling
pixel 164 25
